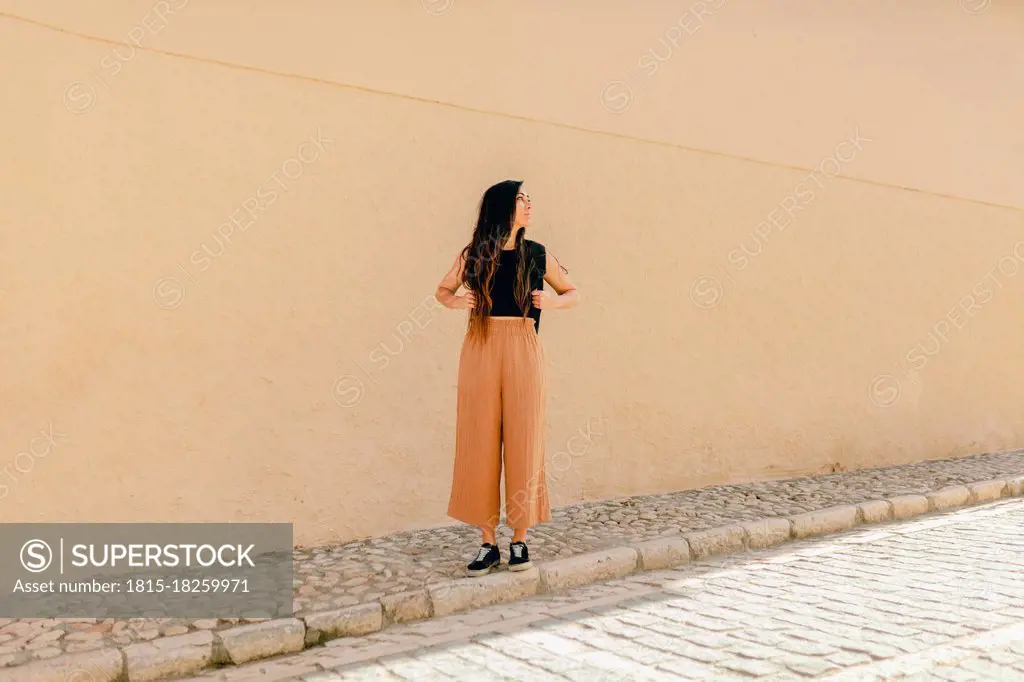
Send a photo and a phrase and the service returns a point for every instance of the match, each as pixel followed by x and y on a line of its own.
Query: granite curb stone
pixel 662 553
pixel 407 606
pixel 908 506
pixel 717 541
pixel 262 640
pixel 189 653
pixel 767 532
pixel 466 593
pixel 169 656
pixel 822 521
pixel 949 498
pixel 876 511
pixel 987 491
pixel 348 622
pixel 584 569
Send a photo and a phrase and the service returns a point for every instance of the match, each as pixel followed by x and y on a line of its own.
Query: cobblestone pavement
pixel 333 577
pixel 940 598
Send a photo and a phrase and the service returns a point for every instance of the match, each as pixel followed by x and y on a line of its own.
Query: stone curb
pixel 191 653
pixel 583 569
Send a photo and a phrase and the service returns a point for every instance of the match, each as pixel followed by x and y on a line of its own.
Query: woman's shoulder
pixel 538 256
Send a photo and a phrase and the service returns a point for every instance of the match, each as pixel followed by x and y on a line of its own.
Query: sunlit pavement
pixel 939 598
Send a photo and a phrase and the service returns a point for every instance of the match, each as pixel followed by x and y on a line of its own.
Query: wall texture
pixel 798 229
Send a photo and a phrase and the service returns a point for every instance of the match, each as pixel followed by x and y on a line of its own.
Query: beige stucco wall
pixel 300 373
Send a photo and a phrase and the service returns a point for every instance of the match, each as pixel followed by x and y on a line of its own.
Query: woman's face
pixel 523 208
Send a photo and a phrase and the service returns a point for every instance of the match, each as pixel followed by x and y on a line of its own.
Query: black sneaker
pixel 518 557
pixel 486 559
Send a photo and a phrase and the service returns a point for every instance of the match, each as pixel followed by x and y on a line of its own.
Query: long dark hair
pixel 481 255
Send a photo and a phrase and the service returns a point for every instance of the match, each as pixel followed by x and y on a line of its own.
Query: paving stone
pixel 501 665
pixel 848 659
pixel 326 676
pixel 412 669
pixel 633 650
pixel 762 636
pixel 106 665
pixel 750 667
pixel 451 664
pixel 378 674
pixel 48 636
pixel 538 656
pixel 991 671
pixel 951 674
pixel 47 652
pixel 174 630
pixel 691 670
pixel 944 629
pixel 608 666
pixel 873 649
pixel 72 647
pixel 615 626
pixel 807 665
pixel 806 648
pixel 699 653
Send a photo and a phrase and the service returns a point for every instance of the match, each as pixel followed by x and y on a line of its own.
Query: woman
pixel 501 393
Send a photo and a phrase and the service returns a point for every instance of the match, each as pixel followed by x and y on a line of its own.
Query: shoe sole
pixel 482 571
pixel 520 567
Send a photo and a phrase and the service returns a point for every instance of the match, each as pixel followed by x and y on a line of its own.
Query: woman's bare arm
pixel 555 275
pixel 445 293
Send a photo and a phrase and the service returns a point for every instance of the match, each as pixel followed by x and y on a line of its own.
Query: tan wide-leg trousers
pixel 501 400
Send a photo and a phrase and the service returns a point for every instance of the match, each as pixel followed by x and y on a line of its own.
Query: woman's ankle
pixel 519 536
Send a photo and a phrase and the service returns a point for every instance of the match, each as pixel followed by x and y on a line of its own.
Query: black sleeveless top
pixel 503 286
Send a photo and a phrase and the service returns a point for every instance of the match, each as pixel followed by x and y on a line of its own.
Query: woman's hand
pixel 544 299
pixel 465 302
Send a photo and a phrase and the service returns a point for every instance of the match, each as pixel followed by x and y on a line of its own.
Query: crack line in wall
pixel 488 112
